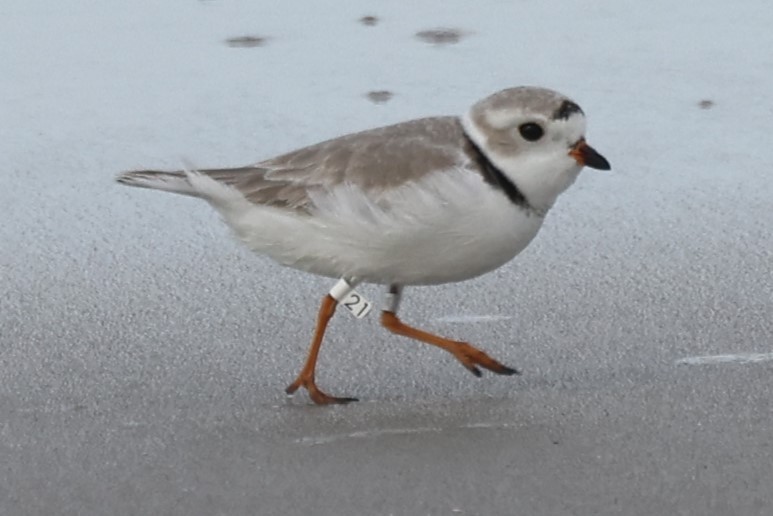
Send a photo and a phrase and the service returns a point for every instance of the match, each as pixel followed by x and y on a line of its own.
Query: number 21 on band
pixel 357 305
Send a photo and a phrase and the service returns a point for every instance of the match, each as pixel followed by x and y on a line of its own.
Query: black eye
pixel 531 131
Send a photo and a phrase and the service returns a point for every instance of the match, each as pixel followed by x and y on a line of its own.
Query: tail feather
pixel 177 182
pixel 227 199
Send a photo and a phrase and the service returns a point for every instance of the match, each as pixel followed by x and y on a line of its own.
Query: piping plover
pixel 422 202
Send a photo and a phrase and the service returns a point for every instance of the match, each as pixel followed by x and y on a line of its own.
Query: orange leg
pixel 306 378
pixel 468 355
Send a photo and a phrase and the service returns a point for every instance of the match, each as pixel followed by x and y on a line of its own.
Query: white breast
pixel 447 227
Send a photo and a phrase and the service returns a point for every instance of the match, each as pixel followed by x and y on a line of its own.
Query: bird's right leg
pixel 470 356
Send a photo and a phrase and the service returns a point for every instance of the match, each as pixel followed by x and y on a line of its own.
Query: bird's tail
pixel 177 182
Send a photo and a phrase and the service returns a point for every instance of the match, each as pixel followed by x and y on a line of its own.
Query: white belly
pixel 449 227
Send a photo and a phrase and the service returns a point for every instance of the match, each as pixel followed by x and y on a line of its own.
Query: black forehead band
pixel 566 110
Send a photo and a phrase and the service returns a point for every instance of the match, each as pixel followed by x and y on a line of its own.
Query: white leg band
pixel 340 290
pixel 344 294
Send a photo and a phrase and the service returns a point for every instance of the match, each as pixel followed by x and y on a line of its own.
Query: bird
pixel 422 202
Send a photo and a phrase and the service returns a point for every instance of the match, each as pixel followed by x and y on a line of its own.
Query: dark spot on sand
pixel 706 104
pixel 379 97
pixel 441 36
pixel 369 20
pixel 246 41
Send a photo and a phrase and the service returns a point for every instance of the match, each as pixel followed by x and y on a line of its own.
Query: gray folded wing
pixel 374 161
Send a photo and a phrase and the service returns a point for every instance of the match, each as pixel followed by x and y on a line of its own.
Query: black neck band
pixel 495 177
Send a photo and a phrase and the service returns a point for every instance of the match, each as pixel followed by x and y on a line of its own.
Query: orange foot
pixel 470 357
pixel 317 396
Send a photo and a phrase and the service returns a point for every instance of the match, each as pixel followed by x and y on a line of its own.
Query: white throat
pixel 540 176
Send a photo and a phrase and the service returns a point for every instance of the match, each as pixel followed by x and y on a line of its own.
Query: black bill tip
pixel 587 156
